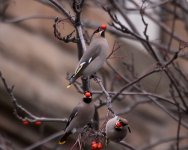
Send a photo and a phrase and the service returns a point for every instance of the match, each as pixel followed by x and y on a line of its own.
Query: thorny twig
pixel 57 34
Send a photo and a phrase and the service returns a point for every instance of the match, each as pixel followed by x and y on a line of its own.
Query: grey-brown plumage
pixel 116 129
pixel 94 57
pixel 81 115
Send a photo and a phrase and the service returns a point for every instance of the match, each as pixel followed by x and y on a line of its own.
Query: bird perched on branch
pixel 81 115
pixel 94 57
pixel 116 129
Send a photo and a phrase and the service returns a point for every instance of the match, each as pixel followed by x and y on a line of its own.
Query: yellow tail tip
pixel 68 86
pixel 63 142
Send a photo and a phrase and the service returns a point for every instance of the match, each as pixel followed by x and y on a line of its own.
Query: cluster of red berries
pixel 26 122
pixel 96 145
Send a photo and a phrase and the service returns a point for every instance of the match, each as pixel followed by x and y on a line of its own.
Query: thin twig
pixel 68 38
pixel 161 141
pixel 178 129
pixel 21 112
pixel 21 19
pixel 62 9
pixel 127 145
pixel 47 139
pixel 160 24
pixel 109 100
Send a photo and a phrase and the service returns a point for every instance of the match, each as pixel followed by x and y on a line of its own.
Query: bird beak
pixel 118 128
pixel 68 86
pixel 129 129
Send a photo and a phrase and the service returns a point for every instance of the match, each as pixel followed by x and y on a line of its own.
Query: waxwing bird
pixel 116 129
pixel 81 115
pixel 94 57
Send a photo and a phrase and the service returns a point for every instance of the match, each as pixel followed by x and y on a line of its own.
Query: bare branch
pixel 114 49
pixel 21 19
pixel 22 113
pixel 160 24
pixel 108 98
pixel 57 34
pixel 126 145
pixel 62 9
pixel 161 141
pixel 47 139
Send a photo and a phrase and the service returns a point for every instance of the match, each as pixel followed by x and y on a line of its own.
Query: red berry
pixel 38 123
pixel 87 94
pixel 100 146
pixel 103 26
pixel 25 122
pixel 94 146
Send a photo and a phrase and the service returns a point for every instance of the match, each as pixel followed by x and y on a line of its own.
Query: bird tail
pixel 64 138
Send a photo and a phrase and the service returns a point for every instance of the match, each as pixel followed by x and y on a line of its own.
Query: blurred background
pixel 36 63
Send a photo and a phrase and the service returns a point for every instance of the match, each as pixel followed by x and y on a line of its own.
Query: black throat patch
pixel 103 34
pixel 87 100
pixel 118 129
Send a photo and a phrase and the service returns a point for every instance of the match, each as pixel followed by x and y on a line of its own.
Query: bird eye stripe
pixel 97 30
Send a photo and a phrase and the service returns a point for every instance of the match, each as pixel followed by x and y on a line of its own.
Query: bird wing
pixel 72 115
pixel 87 58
